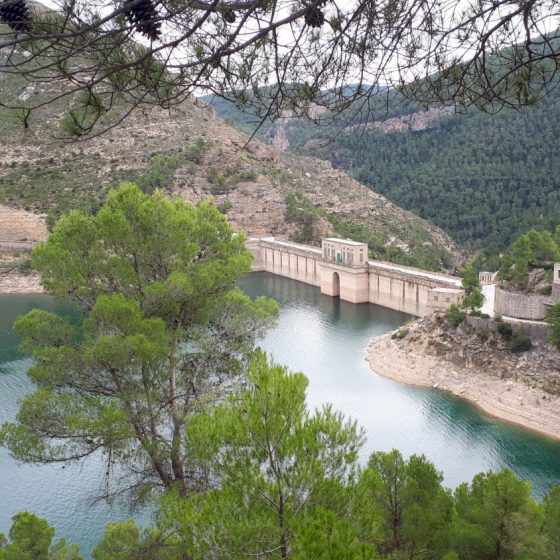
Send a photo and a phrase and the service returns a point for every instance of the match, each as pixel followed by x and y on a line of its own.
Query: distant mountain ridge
pixel 483 178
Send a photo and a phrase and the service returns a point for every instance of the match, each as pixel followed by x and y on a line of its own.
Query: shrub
pixel 195 152
pixel 400 334
pixel 505 330
pixel 520 343
pixel 454 315
pixel 24 266
pixel 224 207
pixel 553 320
pixel 483 334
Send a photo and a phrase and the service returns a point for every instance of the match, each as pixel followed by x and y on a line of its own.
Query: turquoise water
pixel 326 339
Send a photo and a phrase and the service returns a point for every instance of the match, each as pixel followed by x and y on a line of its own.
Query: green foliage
pixel 31 538
pixel 224 207
pixel 474 298
pixel 125 541
pixel 288 487
pixel 300 210
pixel 405 502
pixel 505 329
pixel 537 248
pixel 551 506
pixel 161 174
pixel 496 519
pixel 533 249
pixel 242 176
pixel 455 315
pixel 520 343
pixel 506 265
pixel 55 187
pixel 553 320
pixel 520 272
pixel 473 301
pixel 163 327
pixel 424 254
pixel 483 179
pixel 281 468
pixel 470 279
pixel 195 152
pixel 217 180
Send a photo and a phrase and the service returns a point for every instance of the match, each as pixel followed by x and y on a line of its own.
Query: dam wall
pixel 341 269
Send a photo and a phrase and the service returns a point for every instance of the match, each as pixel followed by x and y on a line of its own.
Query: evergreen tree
pixel 553 320
pixel 279 472
pixel 404 508
pixel 31 538
pixel 163 332
pixel 551 506
pixel 496 519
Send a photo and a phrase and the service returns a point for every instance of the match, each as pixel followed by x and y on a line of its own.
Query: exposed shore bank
pixel 505 394
pixel 14 282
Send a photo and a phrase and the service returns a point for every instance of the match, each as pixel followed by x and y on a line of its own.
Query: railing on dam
pixel 339 269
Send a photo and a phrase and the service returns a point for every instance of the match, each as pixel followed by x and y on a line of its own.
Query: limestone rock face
pixel 19 228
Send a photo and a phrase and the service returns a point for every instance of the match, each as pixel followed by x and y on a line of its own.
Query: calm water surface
pixel 326 339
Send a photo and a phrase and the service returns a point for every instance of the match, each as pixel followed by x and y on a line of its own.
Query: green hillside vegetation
pixel 530 251
pixel 188 151
pixel 392 509
pixel 423 253
pixel 162 375
pixel 385 104
pixel 484 179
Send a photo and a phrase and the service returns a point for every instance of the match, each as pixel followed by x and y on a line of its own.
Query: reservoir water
pixel 326 339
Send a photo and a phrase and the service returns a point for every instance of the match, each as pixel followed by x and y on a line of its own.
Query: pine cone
pixel 314 17
pixel 229 15
pixel 15 14
pixel 143 16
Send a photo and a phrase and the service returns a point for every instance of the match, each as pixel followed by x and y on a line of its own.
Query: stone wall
pixel 442 298
pixel 520 306
pixel 292 261
pixel 538 332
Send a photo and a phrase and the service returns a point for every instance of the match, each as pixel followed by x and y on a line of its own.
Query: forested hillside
pixel 483 178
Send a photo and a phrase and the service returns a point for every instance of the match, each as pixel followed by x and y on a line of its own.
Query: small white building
pixel 487 278
pixel 345 251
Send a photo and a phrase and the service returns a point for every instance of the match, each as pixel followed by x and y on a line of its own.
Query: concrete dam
pixel 341 268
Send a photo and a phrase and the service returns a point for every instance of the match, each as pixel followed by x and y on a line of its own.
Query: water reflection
pixel 61 495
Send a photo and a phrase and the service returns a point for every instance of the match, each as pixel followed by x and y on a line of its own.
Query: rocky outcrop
pixel 413 122
pixel 476 365
pixel 20 230
pixel 485 351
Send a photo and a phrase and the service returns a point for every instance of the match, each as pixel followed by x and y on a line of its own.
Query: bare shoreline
pixel 508 400
pixel 15 283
